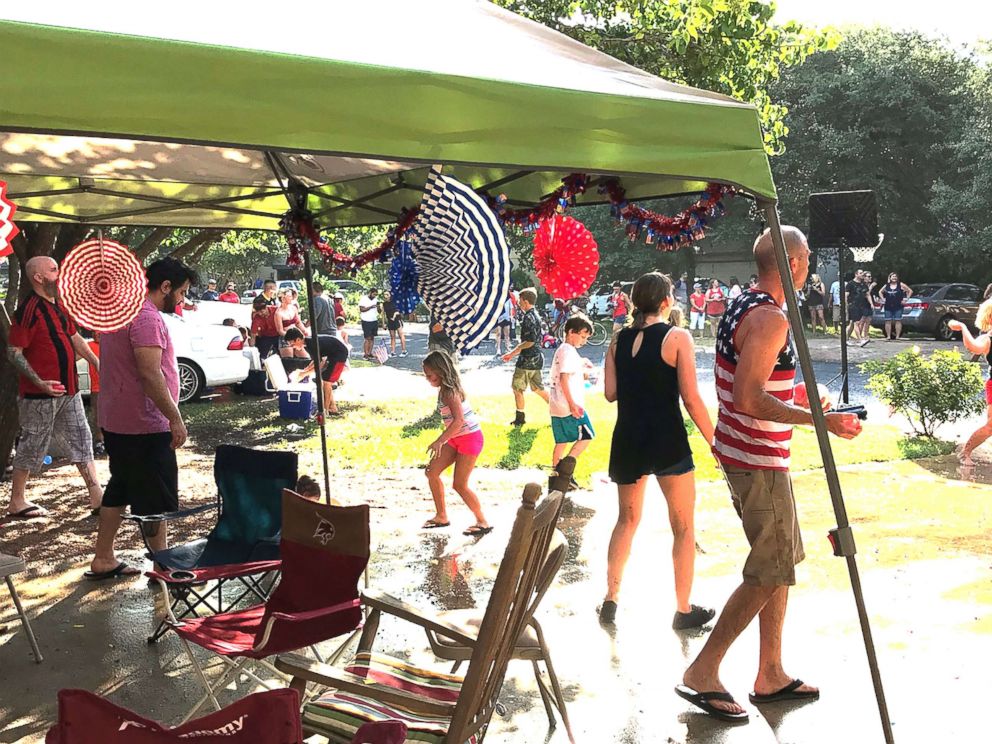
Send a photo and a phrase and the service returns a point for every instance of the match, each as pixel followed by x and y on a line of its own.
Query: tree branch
pixel 151 242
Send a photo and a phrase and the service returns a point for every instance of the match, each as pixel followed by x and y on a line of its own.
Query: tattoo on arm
pixel 16 357
pixel 88 479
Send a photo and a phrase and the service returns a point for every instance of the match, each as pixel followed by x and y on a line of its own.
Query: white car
pixel 208 356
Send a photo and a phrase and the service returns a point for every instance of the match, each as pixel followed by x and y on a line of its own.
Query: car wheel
pixel 191 381
pixel 943 331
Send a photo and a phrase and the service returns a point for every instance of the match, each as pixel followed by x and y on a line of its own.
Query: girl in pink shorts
pixel 459 444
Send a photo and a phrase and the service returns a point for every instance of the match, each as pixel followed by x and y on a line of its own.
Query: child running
pixel 569 422
pixel 982 344
pixel 459 444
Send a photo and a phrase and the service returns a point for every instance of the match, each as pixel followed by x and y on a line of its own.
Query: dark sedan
pixel 932 306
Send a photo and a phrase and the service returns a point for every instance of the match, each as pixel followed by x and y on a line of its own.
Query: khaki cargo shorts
pixel 524 378
pixel 765 504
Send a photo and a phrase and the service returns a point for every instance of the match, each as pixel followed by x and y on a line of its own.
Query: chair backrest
pixel 510 608
pixel 556 555
pixel 325 550
pixel 272 716
pixel 250 484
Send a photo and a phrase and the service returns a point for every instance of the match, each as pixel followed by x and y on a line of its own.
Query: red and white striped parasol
pixel 566 257
pixel 102 285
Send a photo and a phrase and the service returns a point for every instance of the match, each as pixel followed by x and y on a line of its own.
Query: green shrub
pixel 928 390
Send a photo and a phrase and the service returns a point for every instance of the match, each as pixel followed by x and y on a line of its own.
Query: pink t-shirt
pixel 124 407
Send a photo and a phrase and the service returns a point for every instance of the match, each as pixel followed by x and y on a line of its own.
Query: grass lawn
pixel 396 433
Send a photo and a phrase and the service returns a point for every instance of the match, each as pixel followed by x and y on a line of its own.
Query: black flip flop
pixel 28 513
pixel 790 692
pixel 430 524
pixel 121 570
pixel 702 701
pixel 477 531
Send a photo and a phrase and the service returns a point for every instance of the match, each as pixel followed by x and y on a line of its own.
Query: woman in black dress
pixel 648 368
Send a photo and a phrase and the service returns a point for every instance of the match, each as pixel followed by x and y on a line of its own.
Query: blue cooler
pixel 296 403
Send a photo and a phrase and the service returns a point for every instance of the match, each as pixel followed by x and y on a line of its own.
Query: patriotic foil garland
pixel 666 233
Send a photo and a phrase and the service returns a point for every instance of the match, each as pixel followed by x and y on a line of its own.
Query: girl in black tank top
pixel 982 344
pixel 650 435
pixel 642 376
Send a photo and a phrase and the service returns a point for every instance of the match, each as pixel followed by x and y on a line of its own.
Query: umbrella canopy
pixel 102 123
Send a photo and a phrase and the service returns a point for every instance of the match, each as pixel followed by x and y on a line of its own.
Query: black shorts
pixel 266 345
pixel 143 473
pixel 370 328
pixel 394 325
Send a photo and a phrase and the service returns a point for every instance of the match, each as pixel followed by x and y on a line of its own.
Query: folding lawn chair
pixel 324 551
pixel 270 717
pixel 531 646
pixel 438 707
pixel 10 565
pixel 249 504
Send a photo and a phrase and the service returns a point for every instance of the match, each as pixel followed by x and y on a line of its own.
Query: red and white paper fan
pixel 566 257
pixel 102 285
pixel 7 227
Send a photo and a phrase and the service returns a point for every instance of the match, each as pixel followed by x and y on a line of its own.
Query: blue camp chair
pixel 249 506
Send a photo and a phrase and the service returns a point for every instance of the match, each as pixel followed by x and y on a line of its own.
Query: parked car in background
pixel 933 306
pixel 208 356
pixel 249 295
pixel 344 285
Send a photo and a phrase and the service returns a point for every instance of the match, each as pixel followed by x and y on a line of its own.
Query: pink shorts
pixel 467 444
pixel 988 392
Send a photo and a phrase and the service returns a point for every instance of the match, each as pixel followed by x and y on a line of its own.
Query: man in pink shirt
pixel 140 417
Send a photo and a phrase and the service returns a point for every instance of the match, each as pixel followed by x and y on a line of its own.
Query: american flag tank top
pixel 741 441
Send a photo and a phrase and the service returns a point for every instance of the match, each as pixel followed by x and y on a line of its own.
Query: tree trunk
pixel 201 240
pixel 13 284
pixel 151 243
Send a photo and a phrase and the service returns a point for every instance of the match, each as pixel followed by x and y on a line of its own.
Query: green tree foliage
pixel 908 117
pixel 728 46
pixel 928 390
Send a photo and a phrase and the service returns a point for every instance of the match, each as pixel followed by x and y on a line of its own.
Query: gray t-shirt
pixel 324 316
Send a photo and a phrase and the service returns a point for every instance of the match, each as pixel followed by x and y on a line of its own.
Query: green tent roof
pixel 101 122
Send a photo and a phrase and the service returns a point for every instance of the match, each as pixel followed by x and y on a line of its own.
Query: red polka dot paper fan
pixel 102 285
pixel 566 257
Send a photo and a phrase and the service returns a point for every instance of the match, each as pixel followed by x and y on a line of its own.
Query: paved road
pixel 482 361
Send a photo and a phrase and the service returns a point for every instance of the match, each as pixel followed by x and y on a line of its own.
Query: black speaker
pixel 843 218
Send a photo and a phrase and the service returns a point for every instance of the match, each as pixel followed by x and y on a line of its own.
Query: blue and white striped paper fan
pixel 463 260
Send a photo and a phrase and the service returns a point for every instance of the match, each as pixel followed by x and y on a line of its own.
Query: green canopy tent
pixel 112 114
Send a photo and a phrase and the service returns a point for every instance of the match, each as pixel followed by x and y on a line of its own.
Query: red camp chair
pixel 271 717
pixel 324 551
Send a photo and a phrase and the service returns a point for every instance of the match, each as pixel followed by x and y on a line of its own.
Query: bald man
pixel 755 376
pixel 42 347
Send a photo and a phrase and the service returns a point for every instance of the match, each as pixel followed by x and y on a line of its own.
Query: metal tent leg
pixel 843 537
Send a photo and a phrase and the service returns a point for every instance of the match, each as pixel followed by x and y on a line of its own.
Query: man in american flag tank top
pixel 755 374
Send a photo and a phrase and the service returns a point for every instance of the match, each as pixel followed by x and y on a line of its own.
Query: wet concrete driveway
pixel 932 623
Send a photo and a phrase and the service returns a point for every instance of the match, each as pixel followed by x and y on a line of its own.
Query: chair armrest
pixel 397 607
pixel 170 516
pixel 299 617
pixel 314 614
pixel 213 573
pixel 328 676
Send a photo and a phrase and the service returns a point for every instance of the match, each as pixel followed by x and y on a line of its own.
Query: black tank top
pixel 650 433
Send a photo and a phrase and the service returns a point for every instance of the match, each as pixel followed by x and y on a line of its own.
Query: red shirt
pixel 229 297
pixel 264 325
pixel 94 372
pixel 45 333
pixel 715 304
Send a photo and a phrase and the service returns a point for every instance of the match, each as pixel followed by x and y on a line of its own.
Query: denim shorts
pixel 893 314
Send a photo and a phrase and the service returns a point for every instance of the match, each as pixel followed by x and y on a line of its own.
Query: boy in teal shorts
pixel 569 421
